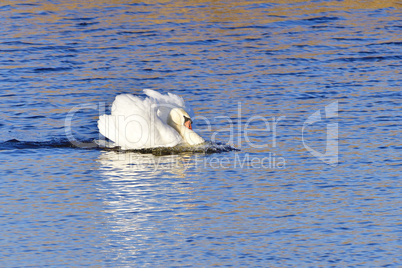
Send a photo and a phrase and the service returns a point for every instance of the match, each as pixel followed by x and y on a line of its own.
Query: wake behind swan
pixel 155 121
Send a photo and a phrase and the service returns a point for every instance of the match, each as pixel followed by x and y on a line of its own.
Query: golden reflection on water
pixel 241 12
pixel 236 20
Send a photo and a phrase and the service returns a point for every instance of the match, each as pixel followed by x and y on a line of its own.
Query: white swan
pixel 156 121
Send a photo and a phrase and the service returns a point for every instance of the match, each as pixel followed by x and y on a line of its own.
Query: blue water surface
pixel 308 91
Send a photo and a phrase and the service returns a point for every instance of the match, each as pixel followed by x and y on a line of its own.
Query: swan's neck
pixel 181 130
pixel 188 135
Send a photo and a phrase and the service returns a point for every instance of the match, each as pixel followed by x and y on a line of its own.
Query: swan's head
pixel 179 117
pixel 181 122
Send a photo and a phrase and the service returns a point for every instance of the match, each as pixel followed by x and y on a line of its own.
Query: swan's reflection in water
pixel 142 196
pixel 137 165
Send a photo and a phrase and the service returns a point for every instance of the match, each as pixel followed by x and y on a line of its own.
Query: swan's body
pixel 156 121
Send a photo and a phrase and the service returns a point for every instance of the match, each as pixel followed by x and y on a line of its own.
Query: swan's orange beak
pixel 187 124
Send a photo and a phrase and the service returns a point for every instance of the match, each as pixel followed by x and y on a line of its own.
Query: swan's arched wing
pixel 127 104
pixel 170 98
pixel 165 103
